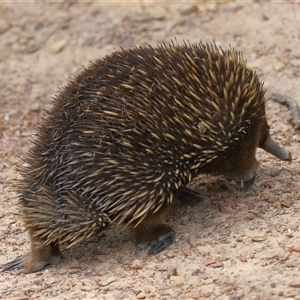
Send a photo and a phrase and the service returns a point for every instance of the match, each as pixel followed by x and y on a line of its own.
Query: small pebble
pixel 86 289
pixel 295 284
pixel 93 239
pixel 73 271
pixel 191 239
pixel 187 252
pixel 296 248
pixel 173 272
pixel 291 263
pixel 243 259
pixel 276 204
pixel 58 46
pixel 264 263
pixel 251 216
pixel 88 254
pixel 278 66
pixel 17 298
pixel 286 202
pixel 170 254
pixel 273 285
pixel 228 200
pixel 274 171
pixel 196 272
pixel 209 261
pixel 50 281
pixel 101 258
pixel 258 238
pixel 289 233
pixel 137 264
pixel 294 62
pixel 292 226
pixel 290 292
pixel 177 279
pixel 189 9
pixel 217 265
pixel 107 281
pixel 141 296
pixel 159 15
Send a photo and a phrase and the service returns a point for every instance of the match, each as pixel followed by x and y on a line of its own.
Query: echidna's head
pixel 233 115
pixel 246 165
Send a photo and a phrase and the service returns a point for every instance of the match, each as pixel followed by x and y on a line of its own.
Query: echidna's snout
pixel 273 148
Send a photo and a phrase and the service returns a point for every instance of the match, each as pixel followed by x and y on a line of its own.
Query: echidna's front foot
pixel 246 185
pixel 36 260
pixel 244 180
pixel 162 235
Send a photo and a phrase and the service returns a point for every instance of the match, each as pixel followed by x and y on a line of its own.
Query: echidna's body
pixel 132 130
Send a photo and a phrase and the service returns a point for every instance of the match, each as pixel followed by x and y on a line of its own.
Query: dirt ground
pixel 233 245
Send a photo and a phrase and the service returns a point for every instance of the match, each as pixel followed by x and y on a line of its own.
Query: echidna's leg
pixel 40 255
pixel 153 230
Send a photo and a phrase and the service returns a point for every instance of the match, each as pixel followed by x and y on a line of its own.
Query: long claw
pixel 246 185
pixel 162 242
pixel 187 194
pixel 14 264
pixel 160 236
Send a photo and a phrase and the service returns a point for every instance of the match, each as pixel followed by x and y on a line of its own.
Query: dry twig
pixel 292 105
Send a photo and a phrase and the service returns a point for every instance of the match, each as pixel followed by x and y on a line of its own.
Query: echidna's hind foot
pixel 163 240
pixel 14 263
pixel 161 236
pixel 188 195
pixel 153 231
pixel 38 258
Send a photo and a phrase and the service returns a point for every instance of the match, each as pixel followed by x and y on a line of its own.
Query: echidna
pixel 128 134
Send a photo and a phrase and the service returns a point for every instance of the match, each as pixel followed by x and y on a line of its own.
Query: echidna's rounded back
pixel 137 125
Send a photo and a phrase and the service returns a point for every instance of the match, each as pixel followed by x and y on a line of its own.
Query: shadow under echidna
pixel 126 136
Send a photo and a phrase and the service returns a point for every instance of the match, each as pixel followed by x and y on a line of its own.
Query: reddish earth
pixel 233 245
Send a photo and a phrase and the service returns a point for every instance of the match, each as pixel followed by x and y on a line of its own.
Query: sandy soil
pixel 233 245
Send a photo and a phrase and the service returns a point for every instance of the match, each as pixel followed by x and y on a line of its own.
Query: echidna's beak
pixel 272 147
